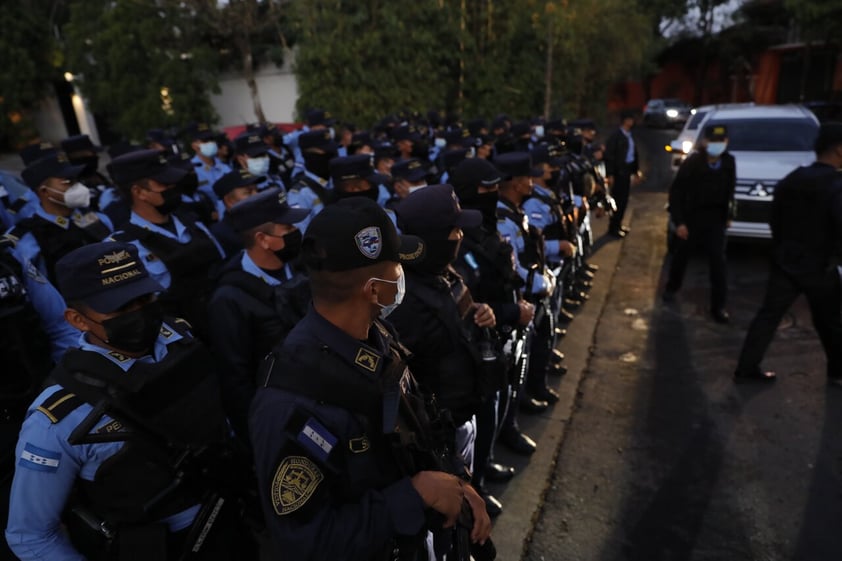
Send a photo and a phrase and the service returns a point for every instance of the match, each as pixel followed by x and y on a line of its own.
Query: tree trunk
pixel 248 74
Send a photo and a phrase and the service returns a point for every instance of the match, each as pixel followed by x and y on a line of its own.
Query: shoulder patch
pixel 39 459
pixel 367 360
pixel 317 439
pixel 295 481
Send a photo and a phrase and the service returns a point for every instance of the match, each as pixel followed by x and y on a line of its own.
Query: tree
pixel 31 61
pixel 141 63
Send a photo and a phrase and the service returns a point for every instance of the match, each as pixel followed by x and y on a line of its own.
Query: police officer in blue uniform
pixel 354 176
pixel 252 155
pixel 178 251
pixel 312 185
pixel 17 201
pixel 408 176
pixel 208 167
pixel 258 296
pixel 114 441
pixel 234 187
pixel 333 426
pixel 62 222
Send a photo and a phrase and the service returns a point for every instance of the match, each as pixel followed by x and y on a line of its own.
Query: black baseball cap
pixel 472 173
pixel 716 133
pixel 317 117
pixel 36 151
pixel 200 131
pixel 316 139
pixel 435 209
pixel 53 165
pixel 144 164
pixel 544 153
pixel 268 206
pixel 355 233
pixel 235 179
pixel 405 132
pixel 459 137
pixel 451 158
pixel 79 143
pixel 358 166
pixel 105 275
pixel 521 128
pixel 516 164
pixel 411 169
pixel 251 144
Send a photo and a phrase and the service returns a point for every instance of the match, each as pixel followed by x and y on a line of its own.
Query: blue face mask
pixel 716 149
pixel 208 149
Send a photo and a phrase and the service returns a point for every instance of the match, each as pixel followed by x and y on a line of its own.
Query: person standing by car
pixel 806 227
pixel 621 170
pixel 701 200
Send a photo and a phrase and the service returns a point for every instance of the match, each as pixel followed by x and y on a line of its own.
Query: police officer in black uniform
pixel 333 430
pixel 701 202
pixel 232 188
pixel 116 441
pixel 258 298
pixel 806 226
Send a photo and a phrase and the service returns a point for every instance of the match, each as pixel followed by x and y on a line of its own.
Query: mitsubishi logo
pixel 759 190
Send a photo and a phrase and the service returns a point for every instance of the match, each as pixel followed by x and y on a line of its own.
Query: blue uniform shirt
pixel 50 306
pixel 305 197
pixel 513 235
pixel 209 174
pixel 27 246
pixel 541 215
pixel 47 467
pixel 157 269
pixel 17 201
pixel 333 528
pixel 249 266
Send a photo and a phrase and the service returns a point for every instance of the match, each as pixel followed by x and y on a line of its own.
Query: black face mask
pixel 486 203
pixel 190 184
pixel 438 254
pixel 136 331
pixel 318 164
pixel 172 200
pixel 292 246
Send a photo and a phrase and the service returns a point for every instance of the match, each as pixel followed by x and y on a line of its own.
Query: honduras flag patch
pixel 317 439
pixel 39 459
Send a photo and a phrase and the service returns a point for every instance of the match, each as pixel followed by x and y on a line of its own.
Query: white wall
pixel 278 93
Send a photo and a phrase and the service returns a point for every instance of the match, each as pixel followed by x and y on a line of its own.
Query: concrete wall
pixel 278 94
pixel 49 121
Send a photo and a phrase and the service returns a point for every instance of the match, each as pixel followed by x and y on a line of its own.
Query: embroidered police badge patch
pixel 369 242
pixel 294 483
pixel 367 360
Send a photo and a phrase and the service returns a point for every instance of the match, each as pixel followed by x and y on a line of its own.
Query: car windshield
pixel 770 135
pixel 694 121
pixel 674 103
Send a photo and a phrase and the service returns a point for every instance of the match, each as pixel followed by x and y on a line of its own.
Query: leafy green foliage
pixel 140 63
pixel 819 19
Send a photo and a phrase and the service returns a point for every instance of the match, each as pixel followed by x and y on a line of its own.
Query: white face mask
pixel 208 149
pixel 440 142
pixel 715 149
pixel 78 196
pixel 258 166
pixel 414 188
pixel 539 131
pixel 387 309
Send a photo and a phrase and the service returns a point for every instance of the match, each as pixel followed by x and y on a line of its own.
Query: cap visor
pixel 411 250
pixel 112 300
pixel 292 216
pixel 416 175
pixel 469 218
pixel 169 175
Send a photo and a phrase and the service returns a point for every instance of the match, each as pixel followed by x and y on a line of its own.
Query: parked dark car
pixel 666 113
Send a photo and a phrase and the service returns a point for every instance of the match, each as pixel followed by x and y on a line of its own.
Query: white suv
pixel 768 142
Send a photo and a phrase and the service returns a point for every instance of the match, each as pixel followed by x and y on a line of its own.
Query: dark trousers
pixel 710 237
pixel 620 191
pixel 823 295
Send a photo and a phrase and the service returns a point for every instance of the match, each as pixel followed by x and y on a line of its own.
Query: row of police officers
pixel 321 344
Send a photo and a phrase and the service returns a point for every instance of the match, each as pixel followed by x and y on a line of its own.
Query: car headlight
pixel 687 146
pixel 672 113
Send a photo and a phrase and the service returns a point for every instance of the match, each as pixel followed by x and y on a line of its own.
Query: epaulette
pixel 59 405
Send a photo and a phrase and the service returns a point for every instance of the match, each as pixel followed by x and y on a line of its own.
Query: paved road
pixel 663 457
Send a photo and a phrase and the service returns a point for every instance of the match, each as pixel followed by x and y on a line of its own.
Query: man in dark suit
pixel 621 165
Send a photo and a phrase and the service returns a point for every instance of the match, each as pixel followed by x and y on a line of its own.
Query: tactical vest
pixel 533 241
pixel 56 242
pixel 289 301
pixel 190 265
pixel 24 347
pixel 167 414
pixel 499 280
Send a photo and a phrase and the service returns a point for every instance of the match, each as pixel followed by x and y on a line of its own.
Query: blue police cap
pixel 144 164
pixel 53 165
pixel 472 173
pixel 358 166
pixel 106 276
pixel 411 169
pixel 268 206
pixel 355 233
pixel 316 139
pixel 79 143
pixel 435 209
pixel 316 117
pixel 516 164
pixel 37 151
pixel 199 131
pixel 235 179
pixel 544 153
pixel 251 144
